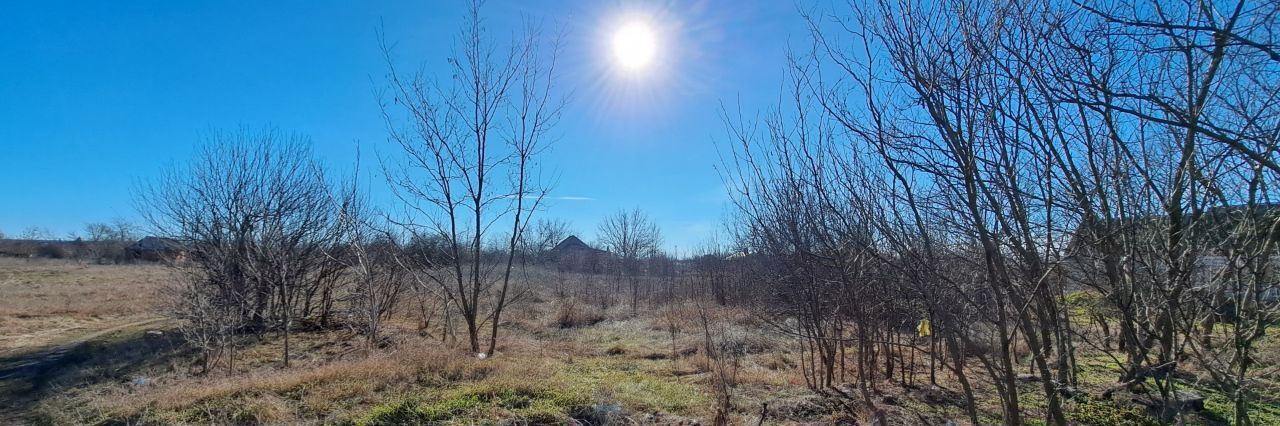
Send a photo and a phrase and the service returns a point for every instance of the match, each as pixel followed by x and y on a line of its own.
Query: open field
pixel 44 301
pixel 559 361
pixel 610 362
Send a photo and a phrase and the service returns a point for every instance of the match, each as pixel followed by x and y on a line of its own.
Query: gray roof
pixel 572 243
pixel 157 244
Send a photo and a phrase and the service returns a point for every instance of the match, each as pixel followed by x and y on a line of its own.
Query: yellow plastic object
pixel 923 329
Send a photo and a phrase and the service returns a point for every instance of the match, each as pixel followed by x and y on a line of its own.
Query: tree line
pixel 990 167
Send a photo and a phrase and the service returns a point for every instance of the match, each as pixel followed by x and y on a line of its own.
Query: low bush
pixel 52 251
pixel 573 314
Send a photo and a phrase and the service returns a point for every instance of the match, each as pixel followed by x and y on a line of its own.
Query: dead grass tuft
pixel 572 314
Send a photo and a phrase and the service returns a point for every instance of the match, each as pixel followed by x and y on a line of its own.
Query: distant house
pixel 574 255
pixel 572 244
pixel 158 249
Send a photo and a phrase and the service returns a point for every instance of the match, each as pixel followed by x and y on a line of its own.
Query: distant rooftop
pixel 572 243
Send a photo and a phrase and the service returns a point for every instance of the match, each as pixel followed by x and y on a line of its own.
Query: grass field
pixel 44 301
pixel 103 357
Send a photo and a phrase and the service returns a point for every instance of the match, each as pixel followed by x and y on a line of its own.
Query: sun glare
pixel 634 45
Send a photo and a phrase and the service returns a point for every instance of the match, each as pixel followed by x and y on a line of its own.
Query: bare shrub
pixel 258 217
pixel 572 314
pixel 723 360
pixel 633 238
pixel 52 251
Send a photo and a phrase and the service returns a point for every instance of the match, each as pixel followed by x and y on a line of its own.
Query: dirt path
pixel 20 373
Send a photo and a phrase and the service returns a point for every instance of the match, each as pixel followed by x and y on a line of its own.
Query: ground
pixel 47 301
pixel 84 344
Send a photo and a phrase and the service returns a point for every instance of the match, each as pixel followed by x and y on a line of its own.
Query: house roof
pixel 571 243
pixel 157 244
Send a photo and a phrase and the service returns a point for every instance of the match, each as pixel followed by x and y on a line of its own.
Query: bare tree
pixel 378 280
pixel 991 159
pixel 35 233
pixel 722 359
pixel 209 318
pixel 631 237
pixel 469 168
pixel 97 231
pixel 1174 105
pixel 543 237
pixel 119 230
pixel 255 212
pixel 709 261
pixel 107 240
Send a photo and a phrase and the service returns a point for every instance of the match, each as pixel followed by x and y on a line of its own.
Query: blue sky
pixel 95 96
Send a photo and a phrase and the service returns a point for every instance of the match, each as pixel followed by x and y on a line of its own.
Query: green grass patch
pixel 1219 408
pixel 637 385
pixel 1088 411
pixel 526 402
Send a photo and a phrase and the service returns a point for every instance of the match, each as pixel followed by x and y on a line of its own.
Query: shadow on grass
pixel 121 356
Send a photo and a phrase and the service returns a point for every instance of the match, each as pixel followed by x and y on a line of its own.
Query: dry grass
pixel 572 313
pixel 322 389
pixel 540 373
pixel 422 376
pixel 43 301
pixel 557 360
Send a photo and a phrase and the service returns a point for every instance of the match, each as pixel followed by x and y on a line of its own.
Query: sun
pixel 634 45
